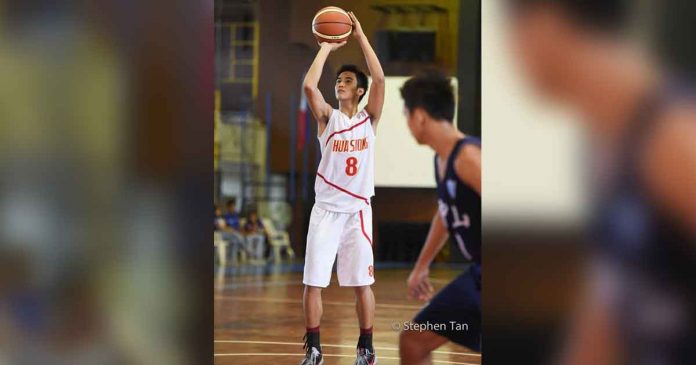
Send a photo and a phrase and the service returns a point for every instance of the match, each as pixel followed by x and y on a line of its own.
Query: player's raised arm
pixel 375 99
pixel 320 108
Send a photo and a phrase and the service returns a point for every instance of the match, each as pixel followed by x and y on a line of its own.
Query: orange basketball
pixel 332 24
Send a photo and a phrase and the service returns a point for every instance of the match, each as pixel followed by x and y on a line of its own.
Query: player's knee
pixel 408 344
pixel 362 289
pixel 314 290
pixel 406 339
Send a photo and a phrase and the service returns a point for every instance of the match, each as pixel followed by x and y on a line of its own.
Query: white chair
pixel 278 240
pixel 221 248
pixel 221 245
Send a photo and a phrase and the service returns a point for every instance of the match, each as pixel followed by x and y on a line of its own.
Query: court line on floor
pixel 339 346
pixel 267 283
pixel 263 284
pixel 337 355
pixel 295 301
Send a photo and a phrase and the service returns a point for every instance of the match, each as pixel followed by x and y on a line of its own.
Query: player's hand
pixel 357 28
pixel 419 286
pixel 332 46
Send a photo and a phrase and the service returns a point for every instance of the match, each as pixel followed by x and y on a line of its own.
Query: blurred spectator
pixel 219 222
pixel 232 231
pixel 254 230
pixel 231 235
pixel 232 217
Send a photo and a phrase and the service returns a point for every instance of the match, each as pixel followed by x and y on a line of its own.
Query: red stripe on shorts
pixel 362 227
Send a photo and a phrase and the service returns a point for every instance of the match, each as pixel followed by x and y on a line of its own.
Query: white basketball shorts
pixel 346 235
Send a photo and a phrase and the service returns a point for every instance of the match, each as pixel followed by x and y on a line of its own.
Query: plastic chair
pixel 278 240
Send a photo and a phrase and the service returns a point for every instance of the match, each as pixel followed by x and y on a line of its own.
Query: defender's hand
pixel 419 286
pixel 332 46
pixel 357 28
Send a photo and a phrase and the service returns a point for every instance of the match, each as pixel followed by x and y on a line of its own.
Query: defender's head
pixel 351 83
pixel 428 98
pixel 559 42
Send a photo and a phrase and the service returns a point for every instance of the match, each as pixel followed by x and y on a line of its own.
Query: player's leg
pixel 313 308
pixel 313 311
pixel 364 297
pixel 322 244
pixel 355 269
pixel 456 310
pixel 365 308
pixel 416 347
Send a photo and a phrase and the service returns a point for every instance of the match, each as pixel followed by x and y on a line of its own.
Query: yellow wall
pixel 303 11
pixel 447 26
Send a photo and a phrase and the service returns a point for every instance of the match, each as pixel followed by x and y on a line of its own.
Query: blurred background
pixel 105 182
pixel 538 185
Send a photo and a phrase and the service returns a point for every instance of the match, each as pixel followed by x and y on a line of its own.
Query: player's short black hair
pixel 232 201
pixel 359 75
pixel 432 91
pixel 604 15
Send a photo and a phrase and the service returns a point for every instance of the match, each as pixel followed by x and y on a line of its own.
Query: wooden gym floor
pixel 258 317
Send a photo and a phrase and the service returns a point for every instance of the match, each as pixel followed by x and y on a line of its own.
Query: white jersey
pixel 345 178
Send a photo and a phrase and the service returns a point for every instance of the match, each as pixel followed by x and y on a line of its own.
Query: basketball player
pixel 455 310
pixel 638 308
pixel 341 219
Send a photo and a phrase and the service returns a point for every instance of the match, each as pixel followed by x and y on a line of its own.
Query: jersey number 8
pixel 351 166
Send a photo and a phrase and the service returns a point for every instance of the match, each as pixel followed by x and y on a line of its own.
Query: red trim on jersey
pixel 343 190
pixel 346 130
pixel 362 227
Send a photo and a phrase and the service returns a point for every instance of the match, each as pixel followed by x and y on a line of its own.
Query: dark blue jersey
pixel 459 205
pixel 652 254
pixel 630 225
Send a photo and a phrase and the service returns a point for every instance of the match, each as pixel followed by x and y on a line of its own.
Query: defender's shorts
pixel 348 235
pixel 456 310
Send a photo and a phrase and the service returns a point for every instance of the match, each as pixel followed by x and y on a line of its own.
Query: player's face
pixel 415 125
pixel 347 86
pixel 543 44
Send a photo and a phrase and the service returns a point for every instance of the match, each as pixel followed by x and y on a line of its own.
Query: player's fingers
pixel 429 286
pixel 423 287
pixel 409 288
pixel 417 292
pixel 353 18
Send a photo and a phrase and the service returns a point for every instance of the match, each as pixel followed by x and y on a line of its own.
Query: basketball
pixel 331 24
